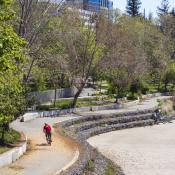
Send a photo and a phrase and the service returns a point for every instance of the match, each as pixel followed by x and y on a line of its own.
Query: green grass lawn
pixel 10 138
pixel 81 102
pixel 3 149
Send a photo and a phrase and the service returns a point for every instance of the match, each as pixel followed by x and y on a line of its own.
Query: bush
pixel 139 86
pixel 111 89
pixel 90 166
pixel 43 108
pixel 145 90
pixel 110 170
pixel 132 97
pixel 10 137
pixel 64 104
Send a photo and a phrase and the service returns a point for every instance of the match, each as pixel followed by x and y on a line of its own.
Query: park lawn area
pixel 10 138
pixel 3 149
pixel 65 104
pixel 81 102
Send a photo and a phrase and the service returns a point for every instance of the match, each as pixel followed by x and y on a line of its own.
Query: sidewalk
pixel 145 150
pixel 40 159
pixel 146 104
pixel 46 160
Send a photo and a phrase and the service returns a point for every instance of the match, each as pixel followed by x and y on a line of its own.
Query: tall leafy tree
pixel 133 7
pixel 11 59
pixel 80 48
pixel 173 11
pixel 164 8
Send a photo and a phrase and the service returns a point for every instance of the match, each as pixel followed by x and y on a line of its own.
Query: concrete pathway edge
pixel 75 158
pixel 33 115
pixel 13 154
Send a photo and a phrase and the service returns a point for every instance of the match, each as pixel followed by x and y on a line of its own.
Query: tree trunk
pixel 117 96
pixel 77 95
pixel 165 86
pixel 76 98
pixel 100 85
pixel 2 142
pixel 55 97
pixel 158 87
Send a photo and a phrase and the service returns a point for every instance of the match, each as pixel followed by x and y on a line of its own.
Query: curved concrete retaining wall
pixel 80 166
pixel 14 154
pixel 54 113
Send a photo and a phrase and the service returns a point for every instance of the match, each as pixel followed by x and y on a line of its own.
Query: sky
pixel 149 5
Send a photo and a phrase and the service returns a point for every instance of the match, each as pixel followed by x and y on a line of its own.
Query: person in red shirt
pixel 47 130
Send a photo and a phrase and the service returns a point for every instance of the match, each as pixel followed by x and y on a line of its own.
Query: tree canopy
pixel 164 8
pixel 133 7
pixel 12 58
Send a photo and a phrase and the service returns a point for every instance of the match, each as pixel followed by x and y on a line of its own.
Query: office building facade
pixel 93 5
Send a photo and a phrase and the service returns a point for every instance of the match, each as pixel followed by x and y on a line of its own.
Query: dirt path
pixel 41 159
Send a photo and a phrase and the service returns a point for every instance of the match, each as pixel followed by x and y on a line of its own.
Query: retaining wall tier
pixel 14 154
pixel 56 112
pixel 81 129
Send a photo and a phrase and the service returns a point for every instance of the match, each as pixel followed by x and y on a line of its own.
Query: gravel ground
pixel 140 151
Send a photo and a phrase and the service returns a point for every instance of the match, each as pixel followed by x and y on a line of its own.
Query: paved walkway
pixel 46 160
pixel 146 104
pixel 140 151
pixel 40 159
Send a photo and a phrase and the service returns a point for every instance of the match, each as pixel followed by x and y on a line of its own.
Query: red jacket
pixel 47 129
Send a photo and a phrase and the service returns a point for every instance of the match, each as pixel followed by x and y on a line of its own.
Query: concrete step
pixel 110 121
pixel 103 116
pixel 109 128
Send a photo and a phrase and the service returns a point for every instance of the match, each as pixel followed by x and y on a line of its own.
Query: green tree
pixel 169 76
pixel 82 51
pixel 173 11
pixel 164 8
pixel 11 61
pixel 124 59
pixel 133 7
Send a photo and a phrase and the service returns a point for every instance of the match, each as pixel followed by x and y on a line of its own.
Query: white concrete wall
pixel 30 116
pixel 13 155
pixel 33 115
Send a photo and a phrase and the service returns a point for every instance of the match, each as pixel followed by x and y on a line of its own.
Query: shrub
pixel 110 170
pixel 10 137
pixel 111 89
pixel 173 101
pixel 90 166
pixel 166 105
pixel 43 108
pixel 132 97
pixel 63 104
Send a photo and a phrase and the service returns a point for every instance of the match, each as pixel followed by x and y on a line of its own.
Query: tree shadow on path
pixel 42 144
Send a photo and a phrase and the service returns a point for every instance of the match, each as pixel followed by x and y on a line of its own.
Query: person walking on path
pixel 48 132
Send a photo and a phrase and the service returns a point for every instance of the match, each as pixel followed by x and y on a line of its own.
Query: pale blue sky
pixel 149 5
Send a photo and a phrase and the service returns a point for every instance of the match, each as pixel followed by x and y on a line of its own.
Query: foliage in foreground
pixel 110 170
pixel 130 52
pixel 11 61
pixel 10 137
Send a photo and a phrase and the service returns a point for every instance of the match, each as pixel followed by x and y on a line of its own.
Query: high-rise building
pixel 110 5
pixel 93 5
